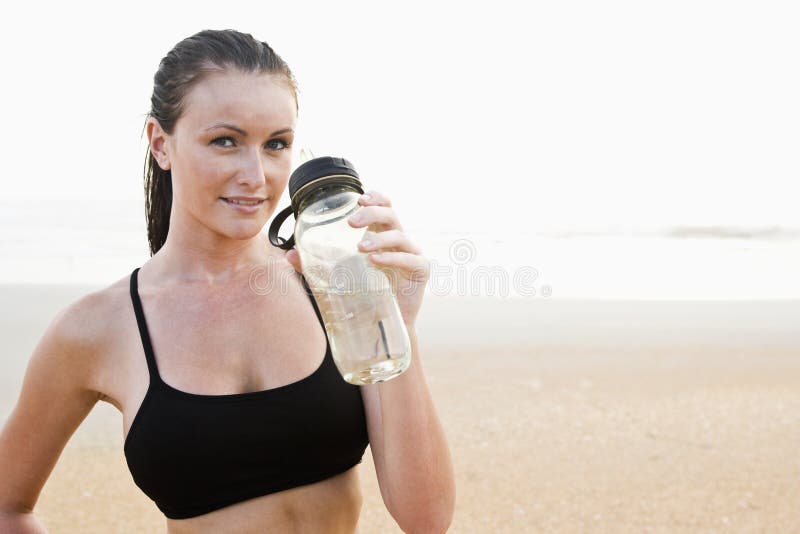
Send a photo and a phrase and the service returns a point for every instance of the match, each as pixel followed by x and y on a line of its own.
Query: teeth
pixel 244 202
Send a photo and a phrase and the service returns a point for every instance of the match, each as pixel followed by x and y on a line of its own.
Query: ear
pixel 157 139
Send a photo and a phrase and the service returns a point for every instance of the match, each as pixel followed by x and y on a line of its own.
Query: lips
pixel 243 205
pixel 243 201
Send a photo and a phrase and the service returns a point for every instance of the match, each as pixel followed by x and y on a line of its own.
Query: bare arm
pixel 412 459
pixel 55 398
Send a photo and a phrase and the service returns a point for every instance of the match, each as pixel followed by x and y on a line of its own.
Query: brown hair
pixel 184 66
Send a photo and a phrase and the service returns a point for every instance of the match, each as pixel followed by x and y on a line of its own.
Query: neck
pixel 211 260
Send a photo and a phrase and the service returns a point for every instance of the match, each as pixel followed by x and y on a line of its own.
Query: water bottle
pixel 365 328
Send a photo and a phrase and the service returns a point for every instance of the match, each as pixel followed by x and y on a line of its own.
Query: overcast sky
pixel 470 116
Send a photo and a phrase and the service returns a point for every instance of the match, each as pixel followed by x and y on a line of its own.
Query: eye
pixel 224 142
pixel 277 144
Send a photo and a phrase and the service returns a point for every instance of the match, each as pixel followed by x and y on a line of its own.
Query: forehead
pixel 245 99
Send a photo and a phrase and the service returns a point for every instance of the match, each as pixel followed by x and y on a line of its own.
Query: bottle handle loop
pixel 274 228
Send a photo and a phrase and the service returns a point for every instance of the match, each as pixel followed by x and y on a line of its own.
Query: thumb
pixel 293 258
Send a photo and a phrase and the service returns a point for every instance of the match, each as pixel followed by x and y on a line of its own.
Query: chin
pixel 242 231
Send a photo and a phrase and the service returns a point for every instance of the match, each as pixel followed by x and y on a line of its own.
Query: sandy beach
pixel 562 416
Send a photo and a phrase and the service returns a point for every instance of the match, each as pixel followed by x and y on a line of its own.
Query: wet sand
pixel 562 416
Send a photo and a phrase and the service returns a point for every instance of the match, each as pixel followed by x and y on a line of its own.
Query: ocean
pixel 673 265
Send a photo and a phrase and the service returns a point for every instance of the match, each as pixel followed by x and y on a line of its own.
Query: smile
pixel 243 202
pixel 244 206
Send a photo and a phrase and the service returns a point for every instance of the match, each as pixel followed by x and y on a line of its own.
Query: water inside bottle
pixel 365 345
pixel 365 328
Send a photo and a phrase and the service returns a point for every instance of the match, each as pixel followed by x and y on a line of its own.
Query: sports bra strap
pixel 313 300
pixel 144 333
pixel 140 320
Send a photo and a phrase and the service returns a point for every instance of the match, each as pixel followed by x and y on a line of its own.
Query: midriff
pixel 331 506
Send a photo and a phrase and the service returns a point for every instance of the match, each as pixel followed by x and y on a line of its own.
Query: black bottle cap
pixel 322 171
pixel 317 168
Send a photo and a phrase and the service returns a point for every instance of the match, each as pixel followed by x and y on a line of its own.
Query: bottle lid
pixel 326 170
pixel 317 168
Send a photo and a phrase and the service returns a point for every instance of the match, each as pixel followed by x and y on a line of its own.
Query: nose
pixel 252 173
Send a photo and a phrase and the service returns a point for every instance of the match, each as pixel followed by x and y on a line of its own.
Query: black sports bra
pixel 193 453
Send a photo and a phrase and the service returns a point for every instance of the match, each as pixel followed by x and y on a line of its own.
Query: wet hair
pixel 187 64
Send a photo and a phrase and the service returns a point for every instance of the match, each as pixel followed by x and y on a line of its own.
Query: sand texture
pixel 561 416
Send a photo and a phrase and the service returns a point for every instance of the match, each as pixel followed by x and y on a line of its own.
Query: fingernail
pixel 365 196
pixel 366 244
pixel 356 218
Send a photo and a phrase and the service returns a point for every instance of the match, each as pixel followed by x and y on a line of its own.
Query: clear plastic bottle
pixel 368 338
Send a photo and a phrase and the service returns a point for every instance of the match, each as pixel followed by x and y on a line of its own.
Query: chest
pixel 233 342
pixel 195 453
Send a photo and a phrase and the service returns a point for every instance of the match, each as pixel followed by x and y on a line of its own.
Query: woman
pixel 233 422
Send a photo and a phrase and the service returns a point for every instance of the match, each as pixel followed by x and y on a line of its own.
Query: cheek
pixel 281 169
pixel 200 182
pixel 214 172
pixel 209 173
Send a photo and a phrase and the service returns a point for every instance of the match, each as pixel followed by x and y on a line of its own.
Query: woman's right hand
pixel 55 398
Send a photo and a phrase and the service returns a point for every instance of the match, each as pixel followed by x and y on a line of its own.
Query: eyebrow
pixel 242 132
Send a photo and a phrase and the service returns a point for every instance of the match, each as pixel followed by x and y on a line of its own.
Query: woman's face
pixel 232 141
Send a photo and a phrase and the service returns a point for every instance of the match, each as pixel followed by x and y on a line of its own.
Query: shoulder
pixel 82 333
pixel 88 319
pixel 59 389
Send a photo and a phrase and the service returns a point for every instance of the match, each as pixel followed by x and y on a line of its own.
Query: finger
pixel 380 215
pixel 390 240
pixel 413 266
pixel 374 198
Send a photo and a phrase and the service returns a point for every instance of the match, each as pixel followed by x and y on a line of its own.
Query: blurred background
pixel 620 150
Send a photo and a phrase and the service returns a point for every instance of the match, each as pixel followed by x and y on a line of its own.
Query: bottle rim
pixel 323 181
